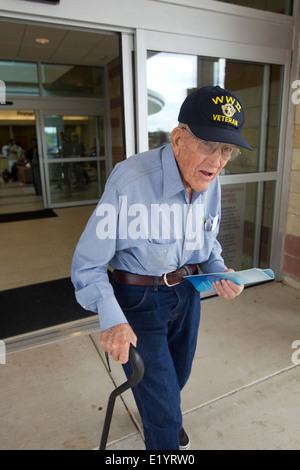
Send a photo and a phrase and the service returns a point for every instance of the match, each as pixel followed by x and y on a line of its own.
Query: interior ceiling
pixel 66 46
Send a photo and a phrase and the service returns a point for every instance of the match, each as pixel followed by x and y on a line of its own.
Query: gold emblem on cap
pixel 228 110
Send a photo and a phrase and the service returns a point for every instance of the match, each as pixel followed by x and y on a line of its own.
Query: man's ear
pixel 176 140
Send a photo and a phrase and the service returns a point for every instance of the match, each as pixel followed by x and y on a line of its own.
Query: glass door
pixel 20 178
pixel 77 159
pixel 248 183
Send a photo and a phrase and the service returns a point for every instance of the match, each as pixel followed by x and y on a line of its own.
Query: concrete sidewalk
pixel 243 392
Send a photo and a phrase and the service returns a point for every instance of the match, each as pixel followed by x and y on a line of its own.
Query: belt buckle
pixel 176 283
pixel 166 281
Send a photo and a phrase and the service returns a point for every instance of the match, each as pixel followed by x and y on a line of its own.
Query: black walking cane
pixel 137 375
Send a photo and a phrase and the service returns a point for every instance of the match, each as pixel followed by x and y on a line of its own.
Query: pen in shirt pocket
pixel 210 223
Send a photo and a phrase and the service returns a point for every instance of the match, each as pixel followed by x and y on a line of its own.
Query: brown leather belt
pixel 170 279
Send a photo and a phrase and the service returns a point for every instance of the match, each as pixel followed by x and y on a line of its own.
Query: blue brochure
pixel 203 282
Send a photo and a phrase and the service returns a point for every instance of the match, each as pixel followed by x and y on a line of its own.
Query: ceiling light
pixel 42 41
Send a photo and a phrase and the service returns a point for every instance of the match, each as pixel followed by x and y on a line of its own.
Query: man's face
pixel 197 169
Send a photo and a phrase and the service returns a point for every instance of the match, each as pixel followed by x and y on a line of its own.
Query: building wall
pixel 291 263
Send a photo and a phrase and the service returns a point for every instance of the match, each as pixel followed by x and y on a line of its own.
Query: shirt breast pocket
pixel 161 258
pixel 209 240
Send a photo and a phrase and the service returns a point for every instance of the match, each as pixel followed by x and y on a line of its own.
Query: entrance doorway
pixel 20 180
pixel 77 158
pixel 72 89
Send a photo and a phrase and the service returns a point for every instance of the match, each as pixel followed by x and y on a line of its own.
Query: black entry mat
pixel 17 216
pixel 31 308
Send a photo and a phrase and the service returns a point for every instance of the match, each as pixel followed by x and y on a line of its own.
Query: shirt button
pixel 165 251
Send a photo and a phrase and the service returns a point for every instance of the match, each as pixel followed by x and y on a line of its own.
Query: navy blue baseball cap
pixel 215 114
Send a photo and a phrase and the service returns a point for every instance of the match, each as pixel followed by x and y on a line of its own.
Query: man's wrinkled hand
pixel 116 341
pixel 227 290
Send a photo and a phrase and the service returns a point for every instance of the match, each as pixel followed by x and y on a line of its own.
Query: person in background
pixel 33 157
pixel 21 161
pixel 77 150
pixel 5 150
pixel 12 154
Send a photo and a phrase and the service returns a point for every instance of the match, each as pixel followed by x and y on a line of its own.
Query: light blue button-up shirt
pixel 145 224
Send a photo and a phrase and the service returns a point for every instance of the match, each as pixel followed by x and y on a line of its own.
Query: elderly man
pixel 151 227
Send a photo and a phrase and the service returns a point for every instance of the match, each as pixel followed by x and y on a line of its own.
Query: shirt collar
pixel 172 182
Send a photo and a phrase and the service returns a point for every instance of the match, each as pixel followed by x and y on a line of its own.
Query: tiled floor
pixel 40 250
pixel 16 196
pixel 243 392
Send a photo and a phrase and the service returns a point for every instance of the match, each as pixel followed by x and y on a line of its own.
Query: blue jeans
pixel 165 321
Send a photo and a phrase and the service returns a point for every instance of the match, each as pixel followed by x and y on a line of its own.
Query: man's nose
pixel 216 157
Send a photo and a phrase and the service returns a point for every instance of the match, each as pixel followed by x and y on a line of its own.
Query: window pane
pixel 20 78
pixel 75 181
pixel 284 7
pixel 246 225
pixel 73 136
pixel 259 88
pixel 80 140
pixel 171 77
pixel 73 80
